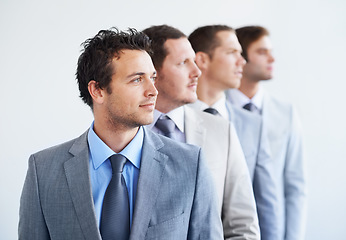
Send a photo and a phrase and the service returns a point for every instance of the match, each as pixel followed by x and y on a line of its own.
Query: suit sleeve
pixel 31 221
pixel 265 189
pixel 295 183
pixel 205 222
pixel 239 215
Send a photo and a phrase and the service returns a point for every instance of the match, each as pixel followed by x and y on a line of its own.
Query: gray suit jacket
pixel 257 154
pixel 282 129
pixel 281 123
pixel 218 139
pixel 175 197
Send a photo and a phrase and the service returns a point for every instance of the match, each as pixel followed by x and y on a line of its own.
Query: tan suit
pixel 220 145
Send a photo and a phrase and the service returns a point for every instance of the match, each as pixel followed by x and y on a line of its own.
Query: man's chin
pixel 267 78
pixel 190 100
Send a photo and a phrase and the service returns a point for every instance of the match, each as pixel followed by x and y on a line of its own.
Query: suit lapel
pixel 194 131
pixel 151 172
pixel 78 179
pixel 266 121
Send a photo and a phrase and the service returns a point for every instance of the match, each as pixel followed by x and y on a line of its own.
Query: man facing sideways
pixel 218 56
pixel 281 126
pixel 177 76
pixel 118 180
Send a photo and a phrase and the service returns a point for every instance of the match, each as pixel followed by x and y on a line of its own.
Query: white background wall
pixel 39 47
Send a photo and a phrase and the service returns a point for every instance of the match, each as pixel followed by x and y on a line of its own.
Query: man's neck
pixel 207 93
pixel 165 105
pixel 249 87
pixel 116 138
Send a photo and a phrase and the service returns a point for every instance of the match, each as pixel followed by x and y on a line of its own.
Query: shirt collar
pixel 258 98
pixel 239 99
pixel 100 152
pixel 220 106
pixel 177 115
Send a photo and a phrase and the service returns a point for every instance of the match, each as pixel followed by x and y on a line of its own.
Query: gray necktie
pixel 166 126
pixel 250 107
pixel 115 216
pixel 211 110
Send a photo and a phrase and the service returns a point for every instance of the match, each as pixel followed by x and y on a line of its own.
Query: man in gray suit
pixel 218 56
pixel 282 127
pixel 166 185
pixel 177 76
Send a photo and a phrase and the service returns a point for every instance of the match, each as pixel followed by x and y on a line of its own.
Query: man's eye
pixel 233 52
pixel 153 79
pixel 137 80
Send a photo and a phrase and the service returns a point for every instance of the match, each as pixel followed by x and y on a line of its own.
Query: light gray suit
pixel 286 144
pixel 175 197
pixel 220 144
pixel 281 125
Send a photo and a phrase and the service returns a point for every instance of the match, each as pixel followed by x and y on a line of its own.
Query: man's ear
pixel 202 60
pixel 96 92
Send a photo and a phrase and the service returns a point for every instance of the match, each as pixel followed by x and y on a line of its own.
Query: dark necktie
pixel 115 216
pixel 250 107
pixel 166 126
pixel 211 110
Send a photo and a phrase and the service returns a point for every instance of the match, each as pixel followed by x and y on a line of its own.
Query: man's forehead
pixel 263 42
pixel 179 47
pixel 229 40
pixel 130 59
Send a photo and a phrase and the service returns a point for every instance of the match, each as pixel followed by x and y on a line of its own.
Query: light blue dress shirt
pixel 101 170
pixel 239 99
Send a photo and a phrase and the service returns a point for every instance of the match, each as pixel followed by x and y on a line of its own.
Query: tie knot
pixel 250 107
pixel 166 125
pixel 117 161
pixel 211 110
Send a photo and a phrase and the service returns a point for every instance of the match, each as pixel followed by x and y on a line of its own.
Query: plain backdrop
pixel 40 44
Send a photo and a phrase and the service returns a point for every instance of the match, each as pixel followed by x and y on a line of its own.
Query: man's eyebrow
pixel 262 49
pixel 232 49
pixel 139 74
pixel 136 74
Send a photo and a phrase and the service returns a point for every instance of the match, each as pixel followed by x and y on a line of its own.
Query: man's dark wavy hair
pixel 95 60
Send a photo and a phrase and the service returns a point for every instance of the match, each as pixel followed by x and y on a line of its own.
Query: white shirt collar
pixel 177 115
pixel 258 98
pixel 220 106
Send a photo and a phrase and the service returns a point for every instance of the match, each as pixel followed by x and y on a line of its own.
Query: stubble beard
pixel 125 122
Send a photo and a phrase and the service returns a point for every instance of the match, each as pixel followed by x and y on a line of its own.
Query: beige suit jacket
pixel 218 139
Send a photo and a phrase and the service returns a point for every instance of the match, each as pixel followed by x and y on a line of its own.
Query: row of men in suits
pixel 273 153
pixel 170 192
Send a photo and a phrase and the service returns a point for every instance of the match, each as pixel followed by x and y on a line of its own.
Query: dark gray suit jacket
pixel 175 194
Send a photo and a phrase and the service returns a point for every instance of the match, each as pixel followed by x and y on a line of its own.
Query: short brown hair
pixel 204 39
pixel 249 34
pixel 158 36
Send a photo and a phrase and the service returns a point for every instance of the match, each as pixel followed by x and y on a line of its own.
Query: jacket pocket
pixel 173 228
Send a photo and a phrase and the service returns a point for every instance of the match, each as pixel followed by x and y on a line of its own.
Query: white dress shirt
pixel 177 116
